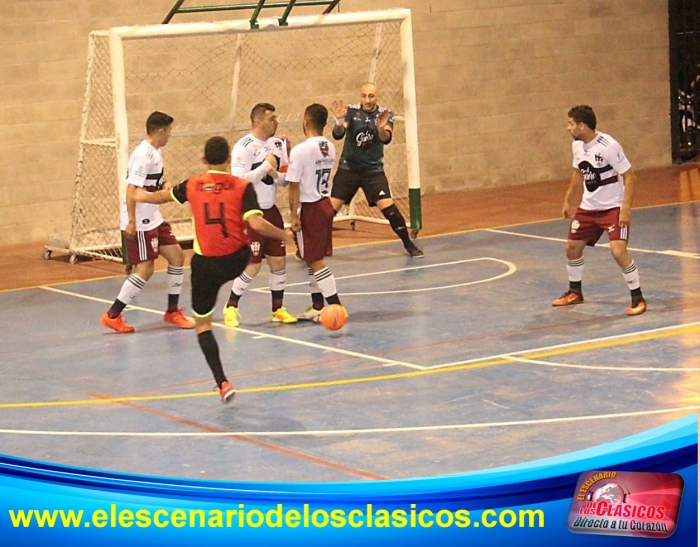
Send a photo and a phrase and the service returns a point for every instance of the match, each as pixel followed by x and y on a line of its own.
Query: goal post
pixel 208 76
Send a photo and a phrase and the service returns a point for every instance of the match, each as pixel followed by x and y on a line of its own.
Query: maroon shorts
pixel 146 245
pixel 261 246
pixel 589 226
pixel 315 240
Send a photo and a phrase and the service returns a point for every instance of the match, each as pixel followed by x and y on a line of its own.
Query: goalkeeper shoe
pixel 281 315
pixel 232 317
pixel 117 323
pixel 414 251
pixel 178 319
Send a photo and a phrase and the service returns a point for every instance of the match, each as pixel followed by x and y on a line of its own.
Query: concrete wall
pixel 494 81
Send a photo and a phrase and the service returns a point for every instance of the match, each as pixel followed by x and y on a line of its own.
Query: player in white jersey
pixel 262 158
pixel 310 165
pixel 605 177
pixel 145 235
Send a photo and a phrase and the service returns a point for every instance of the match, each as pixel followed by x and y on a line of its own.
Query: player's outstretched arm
pixel 262 226
pixel 161 196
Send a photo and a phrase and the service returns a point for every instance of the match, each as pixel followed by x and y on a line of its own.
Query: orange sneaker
pixel 117 323
pixel 568 298
pixel 638 307
pixel 178 319
pixel 227 392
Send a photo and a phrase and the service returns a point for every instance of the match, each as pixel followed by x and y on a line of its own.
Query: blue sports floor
pixel 452 363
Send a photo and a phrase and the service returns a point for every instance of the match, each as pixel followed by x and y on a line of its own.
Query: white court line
pixel 340 432
pixel 668 252
pixel 511 268
pixel 567 345
pixel 255 334
pixel 595 367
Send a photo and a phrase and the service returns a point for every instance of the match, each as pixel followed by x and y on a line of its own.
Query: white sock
pixel 241 284
pixel 326 282
pixel 278 280
pixel 575 269
pixel 131 288
pixel 176 274
pixel 631 275
pixel 313 286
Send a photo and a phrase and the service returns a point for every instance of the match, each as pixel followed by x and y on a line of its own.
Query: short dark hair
pixel 158 120
pixel 317 114
pixel 259 110
pixel 583 114
pixel 217 151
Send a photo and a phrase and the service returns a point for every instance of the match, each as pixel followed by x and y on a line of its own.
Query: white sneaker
pixel 232 317
pixel 310 315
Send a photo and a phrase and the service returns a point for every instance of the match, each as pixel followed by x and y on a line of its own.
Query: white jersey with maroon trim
pixel 247 156
pixel 601 162
pixel 310 164
pixel 145 171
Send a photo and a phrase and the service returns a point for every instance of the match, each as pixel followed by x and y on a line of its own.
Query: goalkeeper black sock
pixel 397 223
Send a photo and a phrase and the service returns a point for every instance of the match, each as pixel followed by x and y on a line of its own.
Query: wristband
pixel 340 122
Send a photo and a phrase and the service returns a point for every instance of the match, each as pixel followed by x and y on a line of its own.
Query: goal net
pixel 208 76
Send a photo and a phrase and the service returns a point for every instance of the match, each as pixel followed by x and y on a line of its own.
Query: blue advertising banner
pixel 644 486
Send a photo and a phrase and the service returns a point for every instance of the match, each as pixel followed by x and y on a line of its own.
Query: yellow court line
pixel 343 382
pixel 505 360
pixel 610 343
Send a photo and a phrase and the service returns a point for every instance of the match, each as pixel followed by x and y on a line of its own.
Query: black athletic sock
pixel 173 300
pixel 575 286
pixel 233 300
pixel 398 224
pixel 210 349
pixel 334 299
pixel 277 299
pixel 317 300
pixel 636 292
pixel 116 308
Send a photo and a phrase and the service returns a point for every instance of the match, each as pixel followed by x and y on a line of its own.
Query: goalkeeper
pixel 369 127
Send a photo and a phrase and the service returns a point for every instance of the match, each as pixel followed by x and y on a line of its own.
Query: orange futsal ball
pixel 333 317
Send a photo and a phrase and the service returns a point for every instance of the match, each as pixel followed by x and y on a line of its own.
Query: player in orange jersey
pixel 221 205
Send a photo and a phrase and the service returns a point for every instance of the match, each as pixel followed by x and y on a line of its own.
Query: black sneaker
pixel 414 251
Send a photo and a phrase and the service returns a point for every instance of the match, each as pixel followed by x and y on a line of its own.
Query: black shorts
pixel 209 273
pixel 374 184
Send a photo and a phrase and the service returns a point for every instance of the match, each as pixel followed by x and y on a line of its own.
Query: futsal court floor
pixel 449 364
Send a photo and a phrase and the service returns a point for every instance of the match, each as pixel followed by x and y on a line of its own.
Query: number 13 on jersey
pixel 322 178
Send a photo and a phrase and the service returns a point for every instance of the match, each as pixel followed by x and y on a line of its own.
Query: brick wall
pixel 494 81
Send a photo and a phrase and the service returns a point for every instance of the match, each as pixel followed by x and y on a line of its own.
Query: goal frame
pixel 117 36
